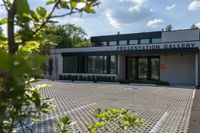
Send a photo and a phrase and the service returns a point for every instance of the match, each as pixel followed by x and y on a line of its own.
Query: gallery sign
pixel 159 46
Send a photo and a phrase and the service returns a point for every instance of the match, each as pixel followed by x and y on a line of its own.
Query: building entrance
pixel 143 68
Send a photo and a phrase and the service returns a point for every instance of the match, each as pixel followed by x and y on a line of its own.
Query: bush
pixel 163 83
pixel 84 79
pixel 113 79
pixel 109 79
pixel 89 78
pixel 121 121
pixel 75 77
pixel 105 79
pixel 122 81
pixel 65 77
pixel 157 82
pixel 94 79
pixel 72 78
pixel 80 78
pixel 69 77
pixel 98 78
pixel 60 77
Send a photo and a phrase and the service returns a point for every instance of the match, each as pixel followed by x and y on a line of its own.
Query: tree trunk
pixel 11 50
pixel 10 26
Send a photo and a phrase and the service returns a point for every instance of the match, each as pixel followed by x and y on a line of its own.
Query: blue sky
pixel 130 16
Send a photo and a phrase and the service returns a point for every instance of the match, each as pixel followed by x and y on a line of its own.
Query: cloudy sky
pixel 130 16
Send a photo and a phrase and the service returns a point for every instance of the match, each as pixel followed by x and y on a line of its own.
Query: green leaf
pixel 64 4
pixel 49 2
pixel 35 120
pixel 30 46
pixel 41 11
pixel 34 16
pixel 22 7
pixel 89 10
pixel 2 37
pixel 3 21
pixel 65 119
pixel 73 4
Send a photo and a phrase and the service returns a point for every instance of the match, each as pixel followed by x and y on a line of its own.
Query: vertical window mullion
pixel 108 64
pixel 149 70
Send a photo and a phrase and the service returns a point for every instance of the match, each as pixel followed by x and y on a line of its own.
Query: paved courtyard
pixel 165 109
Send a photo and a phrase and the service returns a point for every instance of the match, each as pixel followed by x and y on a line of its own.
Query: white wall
pixel 179 69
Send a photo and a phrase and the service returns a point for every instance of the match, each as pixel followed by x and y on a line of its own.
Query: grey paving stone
pixel 78 101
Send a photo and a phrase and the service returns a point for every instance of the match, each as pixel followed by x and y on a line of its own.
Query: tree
pixel 19 64
pixel 67 36
pixel 1 30
pixel 63 36
pixel 169 28
pixel 194 26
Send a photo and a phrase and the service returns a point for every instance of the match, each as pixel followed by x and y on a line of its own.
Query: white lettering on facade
pixel 158 46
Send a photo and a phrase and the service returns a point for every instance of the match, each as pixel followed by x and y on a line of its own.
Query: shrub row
pixel 87 78
pixel 157 82
pixel 109 79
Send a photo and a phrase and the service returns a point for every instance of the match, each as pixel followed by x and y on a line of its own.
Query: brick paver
pixel 165 109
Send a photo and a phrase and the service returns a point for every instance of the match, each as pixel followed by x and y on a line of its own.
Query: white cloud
pixel 151 10
pixel 194 5
pixel 155 23
pixel 138 2
pixel 112 21
pixel 170 7
pixel 126 13
pixel 198 24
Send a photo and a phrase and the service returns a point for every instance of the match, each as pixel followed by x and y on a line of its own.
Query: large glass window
pixel 113 64
pixel 142 68
pixel 156 40
pixel 97 64
pixel 112 43
pixel 105 64
pixel 103 43
pixel 131 68
pixel 123 42
pixel 70 64
pixel 144 41
pixel 89 64
pixel 155 68
pixel 133 42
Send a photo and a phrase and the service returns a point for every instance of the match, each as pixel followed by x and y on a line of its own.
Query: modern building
pixel 168 56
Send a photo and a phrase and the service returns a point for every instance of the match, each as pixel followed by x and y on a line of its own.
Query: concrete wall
pixel 57 66
pixel 179 69
pixel 184 35
pixel 121 67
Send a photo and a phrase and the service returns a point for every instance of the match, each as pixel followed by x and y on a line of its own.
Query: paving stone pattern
pixel 78 101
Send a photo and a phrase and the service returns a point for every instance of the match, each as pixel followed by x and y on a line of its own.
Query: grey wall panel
pixel 179 69
pixel 57 65
pixel 182 35
pixel 121 67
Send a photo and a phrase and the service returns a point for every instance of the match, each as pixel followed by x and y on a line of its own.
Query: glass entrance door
pixel 131 68
pixel 155 68
pixel 143 68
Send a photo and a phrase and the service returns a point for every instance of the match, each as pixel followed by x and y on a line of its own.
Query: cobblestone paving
pixel 165 109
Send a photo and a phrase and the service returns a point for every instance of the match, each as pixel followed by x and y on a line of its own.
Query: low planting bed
pixel 109 79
